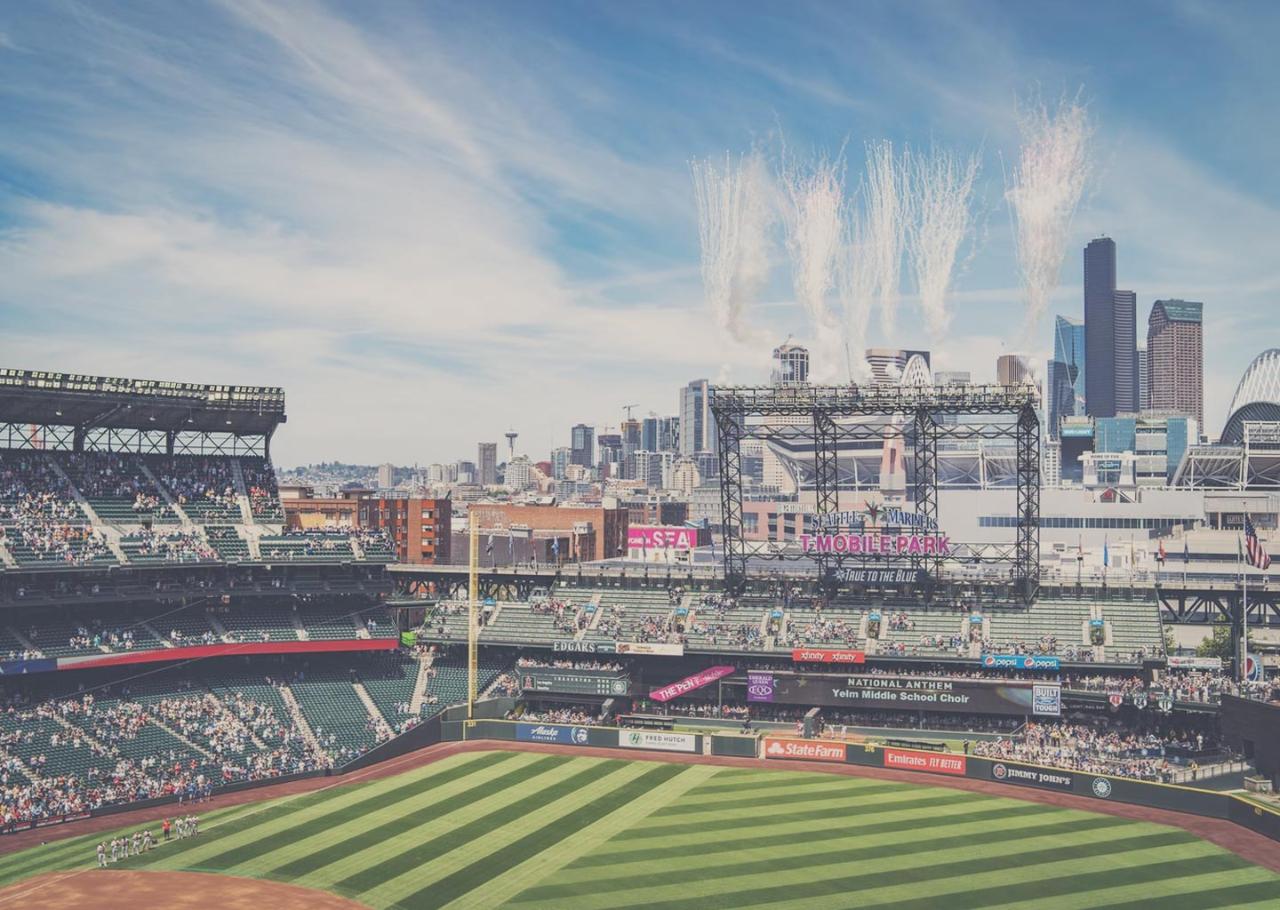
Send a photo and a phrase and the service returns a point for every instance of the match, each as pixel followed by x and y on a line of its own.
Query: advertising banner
pixel 1021 661
pixel 574 682
pixel 573 646
pixel 658 739
pixel 1031 776
pixel 930 762
pixel 661 537
pixel 877 544
pixel 759 687
pixel 690 683
pixel 909 693
pixel 1195 663
pixel 827 656
pixel 552 733
pixel 1046 700
pixel 804 749
pixel 650 647
pixel 863 575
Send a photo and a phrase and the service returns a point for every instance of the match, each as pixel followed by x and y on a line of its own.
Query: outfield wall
pixel 1099 787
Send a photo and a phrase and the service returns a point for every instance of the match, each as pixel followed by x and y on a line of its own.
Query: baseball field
pixel 532 831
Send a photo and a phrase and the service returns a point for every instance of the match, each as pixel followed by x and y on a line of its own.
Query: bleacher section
pixel 43 524
pixel 333 710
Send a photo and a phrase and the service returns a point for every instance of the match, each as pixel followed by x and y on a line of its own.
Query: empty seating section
pixel 258 622
pixel 389 679
pixel 260 483
pixel 1055 627
pixel 306 546
pixel 448 621
pixel 448 682
pixel 185 626
pixel 335 713
pixel 1136 630
pixel 204 487
pixel 117 487
pixel 48 748
pixel 939 631
pixel 228 543
pixel 519 622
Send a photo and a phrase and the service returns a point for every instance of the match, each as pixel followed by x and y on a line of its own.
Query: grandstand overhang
pixel 42 410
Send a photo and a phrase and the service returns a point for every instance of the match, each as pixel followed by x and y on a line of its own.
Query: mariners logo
pixel 579 735
pixel 999 771
pixel 1101 788
pixel 1139 700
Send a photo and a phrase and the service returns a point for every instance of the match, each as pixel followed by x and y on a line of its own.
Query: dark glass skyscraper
pixel 1066 374
pixel 1124 315
pixel 1099 327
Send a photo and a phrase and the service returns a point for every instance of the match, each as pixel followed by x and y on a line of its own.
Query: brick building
pixel 593 532
pixel 420 527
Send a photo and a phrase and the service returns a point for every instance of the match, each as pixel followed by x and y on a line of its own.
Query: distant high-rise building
pixel 669 434
pixel 386 476
pixel 1068 349
pixel 790 364
pixel 697 424
pixel 1099 327
pixel 561 458
pixel 649 434
pixel 487 464
pixel 610 445
pixel 1125 316
pixel 648 467
pixel 1061 399
pixel 582 441
pixel 1012 369
pixel 952 377
pixel 888 364
pixel 631 431
pixel 1175 358
pixel 1144 398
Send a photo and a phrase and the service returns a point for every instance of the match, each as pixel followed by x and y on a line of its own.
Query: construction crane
pixel 629 408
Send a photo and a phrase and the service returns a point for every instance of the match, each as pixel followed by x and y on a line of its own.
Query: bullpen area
pixel 533 830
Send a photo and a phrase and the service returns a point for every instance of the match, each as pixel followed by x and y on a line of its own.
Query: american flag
pixel 1256 555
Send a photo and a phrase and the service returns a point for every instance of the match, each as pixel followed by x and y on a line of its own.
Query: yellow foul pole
pixel 473 622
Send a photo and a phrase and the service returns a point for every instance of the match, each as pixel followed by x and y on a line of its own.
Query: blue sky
pixel 433 221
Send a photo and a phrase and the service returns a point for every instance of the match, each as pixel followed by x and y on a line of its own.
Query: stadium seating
pixel 306 546
pixel 117 487
pixel 204 487
pixel 228 543
pixel 260 484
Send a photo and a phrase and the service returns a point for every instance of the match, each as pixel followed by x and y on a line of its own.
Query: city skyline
pixel 563 283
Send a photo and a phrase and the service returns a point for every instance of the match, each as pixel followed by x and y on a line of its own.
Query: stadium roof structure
pixel 1257 397
pixel 69 410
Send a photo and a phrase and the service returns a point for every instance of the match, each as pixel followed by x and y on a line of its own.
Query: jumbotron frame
pixel 828 412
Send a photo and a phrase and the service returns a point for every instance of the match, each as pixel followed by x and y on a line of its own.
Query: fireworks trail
pixel 856 288
pixel 884 231
pixel 813 215
pixel 1043 192
pixel 733 223
pixel 941 191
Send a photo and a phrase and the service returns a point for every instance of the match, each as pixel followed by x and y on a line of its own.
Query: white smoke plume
pixel 733 223
pixel 856 287
pixel 941 192
pixel 813 205
pixel 1043 192
pixel 884 231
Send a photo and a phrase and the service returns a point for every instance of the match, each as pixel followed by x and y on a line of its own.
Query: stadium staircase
pixel 180 738
pixel 253 737
pixel 420 684
pixel 111 536
pixel 9 760
pixel 218 628
pixel 81 732
pixel 357 548
pixel 299 719
pixel 375 713
pixel 242 492
pixel 151 630
pixel 362 631
pixel 164 494
pixel 27 644
pixel 56 467
pixel 298 628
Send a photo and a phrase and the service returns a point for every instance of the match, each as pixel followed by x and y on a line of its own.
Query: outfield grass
pixel 553 832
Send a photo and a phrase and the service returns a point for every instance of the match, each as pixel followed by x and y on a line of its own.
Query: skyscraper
pixel 1068 349
pixel 487 464
pixel 697 425
pixel 1012 369
pixel 1124 313
pixel 790 364
pixel 649 434
pixel 1175 358
pixel 887 364
pixel 582 442
pixel 1099 326
pixel 561 458
pixel 669 434
pixel 1144 397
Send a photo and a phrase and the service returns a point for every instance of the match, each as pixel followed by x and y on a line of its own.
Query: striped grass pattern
pixel 554 832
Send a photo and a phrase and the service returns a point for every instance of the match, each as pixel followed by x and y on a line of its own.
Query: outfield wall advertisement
pixel 658 740
pixel 1007 772
pixel 969 696
pixel 929 762
pixel 804 749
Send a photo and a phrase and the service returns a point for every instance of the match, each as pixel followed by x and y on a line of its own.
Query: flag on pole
pixel 1106 552
pixel 1186 553
pixel 555 547
pixel 488 548
pixel 1258 557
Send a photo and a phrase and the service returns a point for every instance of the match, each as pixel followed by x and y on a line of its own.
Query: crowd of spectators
pixel 109 475
pixel 578 715
pixel 1096 749
pixel 559 663
pixel 567 618
pixel 172 545
pixel 208 481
